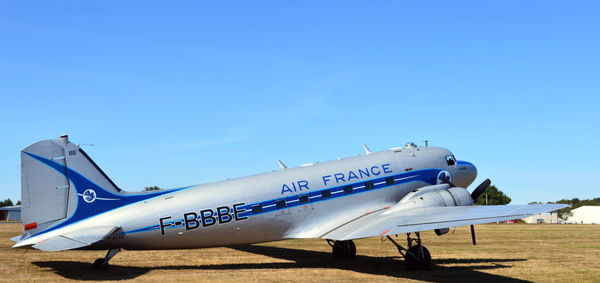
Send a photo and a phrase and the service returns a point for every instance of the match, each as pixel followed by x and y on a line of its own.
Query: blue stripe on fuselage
pixel 425 175
pixel 460 162
pixel 428 176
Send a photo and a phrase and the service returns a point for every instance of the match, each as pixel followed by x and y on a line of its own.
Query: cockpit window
pixel 450 160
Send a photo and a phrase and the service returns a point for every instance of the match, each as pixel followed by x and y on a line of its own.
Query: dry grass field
pixel 505 252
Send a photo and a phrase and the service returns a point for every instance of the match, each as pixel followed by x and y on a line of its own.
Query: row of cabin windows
pixel 325 194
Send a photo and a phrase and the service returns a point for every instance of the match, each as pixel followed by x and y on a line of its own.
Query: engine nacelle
pixel 436 196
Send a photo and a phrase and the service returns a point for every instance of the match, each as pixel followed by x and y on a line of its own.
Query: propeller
pixel 480 189
pixel 475 194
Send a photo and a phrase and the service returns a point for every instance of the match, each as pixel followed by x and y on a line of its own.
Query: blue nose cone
pixel 465 174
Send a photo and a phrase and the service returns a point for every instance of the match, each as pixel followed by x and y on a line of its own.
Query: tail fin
pixel 60 183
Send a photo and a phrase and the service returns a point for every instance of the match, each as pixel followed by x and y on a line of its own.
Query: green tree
pixel 153 188
pixel 18 202
pixel 494 197
pixel 6 202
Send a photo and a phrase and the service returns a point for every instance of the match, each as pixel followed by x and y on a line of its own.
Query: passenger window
pixel 325 194
pixel 369 185
pixel 303 199
pixel 280 203
pixel 450 160
pixel 256 208
pixel 389 181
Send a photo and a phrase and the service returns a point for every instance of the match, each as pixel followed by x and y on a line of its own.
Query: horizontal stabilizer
pixel 59 243
pixel 16 239
pixel 429 218
pixel 70 240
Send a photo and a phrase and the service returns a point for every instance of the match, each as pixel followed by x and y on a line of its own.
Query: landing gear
pixel 343 249
pixel 102 263
pixel 417 256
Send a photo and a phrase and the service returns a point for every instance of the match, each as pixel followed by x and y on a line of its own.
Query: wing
pixel 68 241
pixel 386 222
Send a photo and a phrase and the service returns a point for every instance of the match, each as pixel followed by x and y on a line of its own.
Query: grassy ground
pixel 505 252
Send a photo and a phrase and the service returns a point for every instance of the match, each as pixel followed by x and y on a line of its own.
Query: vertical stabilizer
pixel 57 177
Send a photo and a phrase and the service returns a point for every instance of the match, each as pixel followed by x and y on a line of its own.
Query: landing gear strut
pixel 343 249
pixel 416 257
pixel 102 263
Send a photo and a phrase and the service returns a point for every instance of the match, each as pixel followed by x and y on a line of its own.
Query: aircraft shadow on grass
pixel 385 266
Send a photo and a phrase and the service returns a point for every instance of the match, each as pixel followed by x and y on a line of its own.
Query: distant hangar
pixel 548 217
pixel 10 213
pixel 588 214
pixel 585 215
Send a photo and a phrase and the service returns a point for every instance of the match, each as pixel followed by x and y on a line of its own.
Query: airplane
pixel 68 202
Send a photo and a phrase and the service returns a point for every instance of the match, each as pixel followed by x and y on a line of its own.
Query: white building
pixel 10 213
pixel 547 217
pixel 585 215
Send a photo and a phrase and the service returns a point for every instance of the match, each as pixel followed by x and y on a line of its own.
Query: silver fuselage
pixel 175 220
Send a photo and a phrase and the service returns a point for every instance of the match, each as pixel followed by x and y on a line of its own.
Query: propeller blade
pixel 480 189
pixel 473 235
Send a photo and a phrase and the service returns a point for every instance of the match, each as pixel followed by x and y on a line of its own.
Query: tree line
pixel 8 202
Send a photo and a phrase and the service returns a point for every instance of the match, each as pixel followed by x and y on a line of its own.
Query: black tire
pixel 415 260
pixel 344 249
pixel 99 264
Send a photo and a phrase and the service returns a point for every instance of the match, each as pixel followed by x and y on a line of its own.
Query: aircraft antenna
pixel 283 167
pixel 426 143
pixel 367 149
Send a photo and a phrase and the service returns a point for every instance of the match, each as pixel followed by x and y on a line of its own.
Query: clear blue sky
pixel 186 92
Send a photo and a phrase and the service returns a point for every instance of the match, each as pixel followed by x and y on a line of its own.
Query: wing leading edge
pixel 387 222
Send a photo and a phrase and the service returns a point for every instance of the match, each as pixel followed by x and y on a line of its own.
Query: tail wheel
pixel 100 264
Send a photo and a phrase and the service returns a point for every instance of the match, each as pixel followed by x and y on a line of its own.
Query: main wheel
pixel 418 258
pixel 344 249
pixel 99 264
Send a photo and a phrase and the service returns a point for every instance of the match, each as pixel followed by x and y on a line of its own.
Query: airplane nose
pixel 467 172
